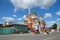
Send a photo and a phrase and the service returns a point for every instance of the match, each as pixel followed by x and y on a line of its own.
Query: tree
pixel 54 26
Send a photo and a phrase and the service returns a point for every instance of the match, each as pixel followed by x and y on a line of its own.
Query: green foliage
pixel 54 26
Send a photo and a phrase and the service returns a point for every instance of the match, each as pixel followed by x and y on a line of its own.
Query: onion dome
pixel 34 14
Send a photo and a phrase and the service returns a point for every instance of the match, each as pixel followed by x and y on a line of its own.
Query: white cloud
pixel 19 19
pixel 24 16
pixel 32 3
pixel 49 24
pixel 47 15
pixel 47 3
pixel 8 19
pixel 22 3
pixel 58 19
pixel 14 16
pixel 58 13
pixel 52 22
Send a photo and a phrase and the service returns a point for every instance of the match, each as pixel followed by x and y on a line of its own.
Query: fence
pixel 15 29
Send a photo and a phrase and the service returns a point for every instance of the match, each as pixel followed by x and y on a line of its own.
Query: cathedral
pixel 32 18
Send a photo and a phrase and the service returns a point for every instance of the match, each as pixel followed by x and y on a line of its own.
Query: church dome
pixel 34 14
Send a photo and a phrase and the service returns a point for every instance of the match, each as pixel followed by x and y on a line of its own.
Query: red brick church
pixel 30 20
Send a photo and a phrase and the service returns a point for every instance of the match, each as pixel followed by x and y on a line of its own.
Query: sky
pixel 16 10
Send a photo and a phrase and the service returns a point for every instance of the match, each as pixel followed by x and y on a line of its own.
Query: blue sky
pixel 50 15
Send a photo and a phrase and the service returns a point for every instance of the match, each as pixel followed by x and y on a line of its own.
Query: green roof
pixel 34 13
pixel 41 16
